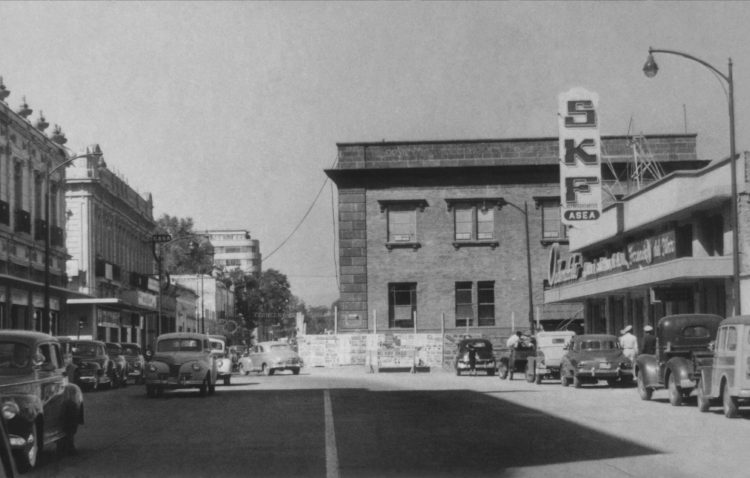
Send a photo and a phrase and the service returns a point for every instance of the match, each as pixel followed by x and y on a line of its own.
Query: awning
pixel 111 302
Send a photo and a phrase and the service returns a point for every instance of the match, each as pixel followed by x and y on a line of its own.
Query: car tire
pixel 295 371
pixel 227 379
pixel 675 394
pixel 27 458
pixel 612 382
pixel 203 389
pixel 576 381
pixel 564 378
pixel 243 371
pixel 490 372
pixel 265 370
pixel 211 386
pixel 124 382
pixel 644 392
pixel 67 445
pixel 537 379
pixel 502 370
pixel 729 403
pixel 704 402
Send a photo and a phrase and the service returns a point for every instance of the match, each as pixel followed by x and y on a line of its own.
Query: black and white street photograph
pixel 374 239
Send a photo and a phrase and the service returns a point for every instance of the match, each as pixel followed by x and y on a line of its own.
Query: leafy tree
pixel 188 252
pixel 269 299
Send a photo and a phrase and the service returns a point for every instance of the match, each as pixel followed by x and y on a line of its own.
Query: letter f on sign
pixel 575 185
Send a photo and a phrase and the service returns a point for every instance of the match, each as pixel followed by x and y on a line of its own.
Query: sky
pixel 229 112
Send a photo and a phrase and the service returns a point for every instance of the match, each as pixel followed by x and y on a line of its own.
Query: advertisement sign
pixel 580 157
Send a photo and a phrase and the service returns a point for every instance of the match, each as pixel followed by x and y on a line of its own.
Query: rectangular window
pixel 402 304
pixel 552 226
pixel 464 304
pixel 473 223
pixel 402 224
pixel 486 302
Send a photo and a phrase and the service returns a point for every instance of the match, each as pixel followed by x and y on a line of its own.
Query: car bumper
pixel 86 379
pixel 604 374
pixel 182 381
pixel 478 366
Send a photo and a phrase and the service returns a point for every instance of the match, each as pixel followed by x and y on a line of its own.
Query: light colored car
pixel 270 357
pixel 39 405
pixel 223 360
pixel 181 360
pixel 550 348
pixel 727 376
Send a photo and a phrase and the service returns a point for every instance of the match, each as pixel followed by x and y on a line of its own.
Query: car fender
pixel 648 367
pixel 683 371
pixel 160 367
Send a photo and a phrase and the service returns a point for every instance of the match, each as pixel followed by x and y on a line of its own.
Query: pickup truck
pixel 726 378
pixel 683 346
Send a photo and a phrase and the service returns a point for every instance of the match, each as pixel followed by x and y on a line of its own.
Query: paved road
pixel 348 423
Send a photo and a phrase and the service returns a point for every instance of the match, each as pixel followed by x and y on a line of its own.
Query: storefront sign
pixel 652 250
pixel 146 300
pixel 108 317
pixel 19 297
pixel 563 269
pixel 580 157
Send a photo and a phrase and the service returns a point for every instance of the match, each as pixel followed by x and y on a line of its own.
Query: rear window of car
pixel 558 341
pixel 179 345
pixel 598 345
pixel 696 332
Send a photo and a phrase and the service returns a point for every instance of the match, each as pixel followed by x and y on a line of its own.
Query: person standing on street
pixel 649 341
pixel 628 342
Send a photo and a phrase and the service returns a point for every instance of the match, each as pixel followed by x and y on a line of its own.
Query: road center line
pixel 332 455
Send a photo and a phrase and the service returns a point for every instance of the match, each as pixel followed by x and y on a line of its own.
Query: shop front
pixel 663 250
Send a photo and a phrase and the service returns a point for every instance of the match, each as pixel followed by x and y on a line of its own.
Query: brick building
pixel 434 231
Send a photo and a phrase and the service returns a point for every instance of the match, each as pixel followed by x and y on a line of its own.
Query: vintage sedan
pixel 484 360
pixel 120 377
pixel 223 360
pixel 594 357
pixel 181 360
pixel 94 367
pixel 39 405
pixel 135 360
pixel 270 357
pixel 550 348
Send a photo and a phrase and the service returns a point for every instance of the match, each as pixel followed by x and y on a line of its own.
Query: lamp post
pixel 525 212
pixel 650 69
pixel 46 320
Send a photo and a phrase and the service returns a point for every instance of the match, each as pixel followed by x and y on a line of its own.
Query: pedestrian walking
pixel 628 342
pixel 649 341
pixel 472 360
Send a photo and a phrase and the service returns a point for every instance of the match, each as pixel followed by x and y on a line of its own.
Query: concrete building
pixel 215 305
pixel 108 229
pixel 234 248
pixel 432 233
pixel 639 262
pixel 31 163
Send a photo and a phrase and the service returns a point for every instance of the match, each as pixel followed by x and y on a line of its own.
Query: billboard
pixel 580 157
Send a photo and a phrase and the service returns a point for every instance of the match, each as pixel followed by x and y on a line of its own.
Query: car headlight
pixel 219 363
pixel 196 366
pixel 10 410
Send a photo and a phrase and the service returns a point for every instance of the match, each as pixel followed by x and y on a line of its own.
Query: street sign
pixel 161 238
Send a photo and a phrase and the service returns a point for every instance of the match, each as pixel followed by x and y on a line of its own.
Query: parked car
pixel 550 348
pixel 484 357
pixel 270 357
pixel 120 377
pixel 593 357
pixel 181 360
pixel 682 347
pixel 727 377
pixel 223 361
pixel 94 366
pixel 135 360
pixel 39 405
pixel 513 360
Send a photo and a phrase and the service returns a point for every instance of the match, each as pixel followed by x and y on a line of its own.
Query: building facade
pixel 31 169
pixel 432 235
pixel 236 249
pixel 639 263
pixel 215 304
pixel 111 259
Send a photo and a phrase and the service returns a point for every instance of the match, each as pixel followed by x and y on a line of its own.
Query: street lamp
pixel 46 321
pixel 650 69
pixel 525 211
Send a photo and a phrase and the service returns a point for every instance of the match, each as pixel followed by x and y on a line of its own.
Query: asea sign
pixel 580 157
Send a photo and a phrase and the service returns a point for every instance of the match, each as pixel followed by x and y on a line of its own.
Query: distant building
pixel 31 163
pixel 432 233
pixel 215 304
pixel 235 249
pixel 109 225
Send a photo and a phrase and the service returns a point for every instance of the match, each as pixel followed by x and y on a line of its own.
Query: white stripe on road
pixel 332 455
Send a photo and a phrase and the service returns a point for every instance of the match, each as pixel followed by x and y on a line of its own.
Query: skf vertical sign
pixel 580 157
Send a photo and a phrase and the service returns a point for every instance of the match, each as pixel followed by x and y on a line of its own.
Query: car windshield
pixel 280 347
pixel 13 356
pixel 179 345
pixel 598 345
pixel 84 349
pixel 131 350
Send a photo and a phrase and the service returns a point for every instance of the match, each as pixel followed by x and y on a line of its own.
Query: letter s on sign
pixel 578 109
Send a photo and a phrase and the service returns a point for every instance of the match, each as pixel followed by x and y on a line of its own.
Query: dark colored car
pixel 594 357
pixel 683 346
pixel 94 367
pixel 484 358
pixel 120 377
pixel 39 405
pixel 136 362
pixel 515 359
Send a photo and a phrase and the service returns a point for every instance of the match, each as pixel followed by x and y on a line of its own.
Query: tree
pixel 188 252
pixel 269 299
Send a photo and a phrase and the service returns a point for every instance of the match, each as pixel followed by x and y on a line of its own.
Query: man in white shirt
pixel 514 340
pixel 628 342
